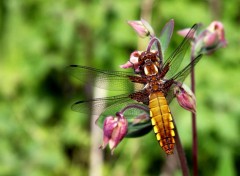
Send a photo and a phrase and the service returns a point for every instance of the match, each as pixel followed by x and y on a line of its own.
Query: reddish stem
pixel 157 42
pixel 194 125
pixel 181 153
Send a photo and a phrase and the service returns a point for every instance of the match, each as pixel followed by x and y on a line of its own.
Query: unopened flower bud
pixel 217 28
pixel 209 40
pixel 185 98
pixel 133 61
pixel 114 130
pixel 143 28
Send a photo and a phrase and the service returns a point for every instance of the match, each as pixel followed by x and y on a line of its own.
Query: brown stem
pixel 215 8
pixel 181 153
pixel 157 42
pixel 194 125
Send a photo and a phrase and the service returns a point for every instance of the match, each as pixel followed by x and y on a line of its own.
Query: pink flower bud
pixel 148 27
pixel 210 39
pixel 143 28
pixel 114 130
pixel 185 98
pixel 217 28
pixel 184 32
pixel 133 61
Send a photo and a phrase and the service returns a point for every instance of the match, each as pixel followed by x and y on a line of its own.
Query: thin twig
pixel 157 42
pixel 181 153
pixel 194 125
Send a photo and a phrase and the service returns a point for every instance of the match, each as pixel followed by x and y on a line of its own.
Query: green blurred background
pixel 40 135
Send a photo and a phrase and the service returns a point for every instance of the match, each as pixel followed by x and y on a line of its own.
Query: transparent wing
pixel 110 80
pixel 108 105
pixel 100 104
pixel 181 76
pixel 176 58
pixel 170 94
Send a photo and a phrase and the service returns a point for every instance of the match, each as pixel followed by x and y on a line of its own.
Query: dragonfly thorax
pixel 150 69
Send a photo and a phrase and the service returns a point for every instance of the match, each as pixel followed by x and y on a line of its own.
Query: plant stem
pixel 181 153
pixel 157 42
pixel 194 125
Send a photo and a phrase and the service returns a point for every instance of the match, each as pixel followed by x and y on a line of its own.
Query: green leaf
pixel 166 35
pixel 138 130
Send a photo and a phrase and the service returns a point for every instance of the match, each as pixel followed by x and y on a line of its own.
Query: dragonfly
pixel 154 83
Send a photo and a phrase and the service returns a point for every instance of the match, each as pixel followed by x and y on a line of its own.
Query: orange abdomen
pixel 162 121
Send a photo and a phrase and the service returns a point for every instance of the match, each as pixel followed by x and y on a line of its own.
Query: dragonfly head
pixel 149 63
pixel 145 56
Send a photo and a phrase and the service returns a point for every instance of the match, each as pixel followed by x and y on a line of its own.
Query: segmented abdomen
pixel 162 121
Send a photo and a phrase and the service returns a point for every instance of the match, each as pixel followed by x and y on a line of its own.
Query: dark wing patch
pixel 108 106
